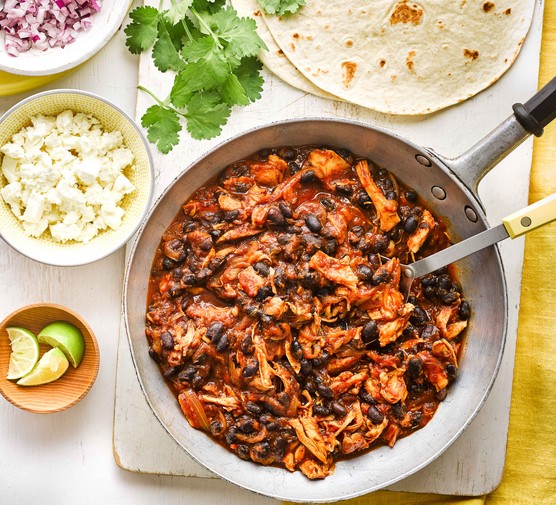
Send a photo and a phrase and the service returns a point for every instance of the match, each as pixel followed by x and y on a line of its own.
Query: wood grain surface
pixel 68 389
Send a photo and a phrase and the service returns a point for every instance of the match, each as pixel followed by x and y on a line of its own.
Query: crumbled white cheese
pixel 65 174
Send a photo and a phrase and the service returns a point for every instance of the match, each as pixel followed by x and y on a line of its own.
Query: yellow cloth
pixel 530 470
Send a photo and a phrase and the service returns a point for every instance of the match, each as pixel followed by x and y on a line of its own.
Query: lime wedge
pixel 65 336
pixel 25 352
pixel 50 367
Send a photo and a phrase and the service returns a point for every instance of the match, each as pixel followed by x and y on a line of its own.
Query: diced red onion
pixel 44 23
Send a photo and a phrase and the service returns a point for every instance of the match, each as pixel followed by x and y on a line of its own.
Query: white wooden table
pixel 67 457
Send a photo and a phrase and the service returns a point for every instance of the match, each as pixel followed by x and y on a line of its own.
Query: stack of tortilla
pixel 397 57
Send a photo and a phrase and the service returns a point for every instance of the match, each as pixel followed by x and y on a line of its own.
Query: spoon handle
pixel 523 221
pixel 530 218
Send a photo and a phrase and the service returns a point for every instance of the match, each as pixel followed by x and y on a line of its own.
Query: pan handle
pixel 529 118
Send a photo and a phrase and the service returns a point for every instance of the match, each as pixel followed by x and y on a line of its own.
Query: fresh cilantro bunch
pixel 213 53
pixel 281 7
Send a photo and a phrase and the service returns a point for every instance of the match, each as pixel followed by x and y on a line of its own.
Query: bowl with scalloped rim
pixel 135 204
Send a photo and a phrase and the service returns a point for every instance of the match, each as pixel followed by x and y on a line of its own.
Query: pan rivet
pixel 471 214
pixel 423 160
pixel 526 221
pixel 438 192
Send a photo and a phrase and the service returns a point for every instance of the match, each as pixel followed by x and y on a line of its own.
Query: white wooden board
pixel 473 465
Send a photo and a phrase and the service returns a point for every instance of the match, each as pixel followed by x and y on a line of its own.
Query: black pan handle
pixel 540 110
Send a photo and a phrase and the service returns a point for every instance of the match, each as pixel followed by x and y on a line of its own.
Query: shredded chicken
pixel 282 331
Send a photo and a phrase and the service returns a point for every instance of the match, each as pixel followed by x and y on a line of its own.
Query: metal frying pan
pixel 449 189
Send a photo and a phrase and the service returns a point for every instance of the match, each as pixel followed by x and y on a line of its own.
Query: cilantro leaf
pixel 281 7
pixel 143 30
pixel 232 91
pixel 239 34
pixel 163 126
pixel 165 55
pixel 203 74
pixel 206 114
pixel 208 5
pixel 178 10
pixel 249 76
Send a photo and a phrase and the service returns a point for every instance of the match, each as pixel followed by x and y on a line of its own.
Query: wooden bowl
pixel 68 389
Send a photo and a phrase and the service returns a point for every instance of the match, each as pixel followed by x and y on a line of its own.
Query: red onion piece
pixel 41 24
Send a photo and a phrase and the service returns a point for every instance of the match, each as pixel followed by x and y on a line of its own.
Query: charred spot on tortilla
pixel 508 11
pixel 409 61
pixel 257 12
pixel 280 53
pixel 406 13
pixel 488 6
pixel 439 24
pixel 292 47
pixel 382 63
pixel 296 36
pixel 348 43
pixel 472 55
pixel 348 72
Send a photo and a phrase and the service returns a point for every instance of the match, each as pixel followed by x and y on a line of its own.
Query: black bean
pixel 266 418
pixel 327 203
pixel 231 215
pixel 286 153
pixel 309 280
pixel 261 268
pixel 250 370
pixel 366 396
pixel 414 367
pixel 253 408
pixel 429 331
pixel 369 333
pixel 264 293
pixel 231 435
pixel 382 173
pixel 346 189
pixel 330 246
pixel 203 275
pixel 313 223
pixel 215 331
pixel 364 272
pixel 444 282
pixel 153 355
pixel 322 359
pixel 380 243
pixel 275 217
pixel 417 388
pixel 398 410
pixel 391 195
pixel 222 344
pixel 170 372
pixel 325 391
pixel 261 449
pixel 188 279
pixel 410 224
pixel 197 382
pixel 464 310
pixel 246 345
pixel 293 166
pixel 246 426
pixel 440 395
pixel 416 417
pixel 374 260
pixel 264 153
pixel 168 264
pixel 448 297
pixel 321 410
pixel 451 371
pixel 381 276
pixel 344 153
pixel 419 316
pixel 296 349
pixel 243 451
pixel 411 196
pixel 285 210
pixel 306 366
pixel 387 184
pixel 430 292
pixel 216 427
pixel 279 446
pixel 187 227
pixel 363 199
pixel 187 374
pixel 253 310
pixel 375 415
pixel 310 386
pixel 167 340
pixel 338 408
pixel 200 359
pixel 308 176
pixel 429 280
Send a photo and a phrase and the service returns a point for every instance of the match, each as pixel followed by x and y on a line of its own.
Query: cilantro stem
pixel 207 28
pixel 159 101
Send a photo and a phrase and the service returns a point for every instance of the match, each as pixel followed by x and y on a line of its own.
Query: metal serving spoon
pixel 523 221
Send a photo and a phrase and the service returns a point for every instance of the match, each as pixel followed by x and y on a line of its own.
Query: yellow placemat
pixel 12 84
pixel 530 469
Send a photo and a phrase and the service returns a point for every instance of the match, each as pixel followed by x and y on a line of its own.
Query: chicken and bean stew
pixel 278 322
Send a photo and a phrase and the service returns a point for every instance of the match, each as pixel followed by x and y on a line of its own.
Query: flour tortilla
pixel 403 57
pixel 274 59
